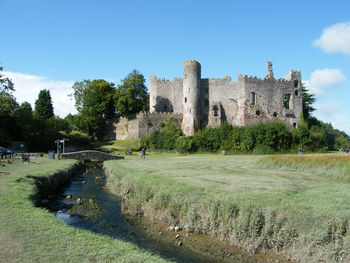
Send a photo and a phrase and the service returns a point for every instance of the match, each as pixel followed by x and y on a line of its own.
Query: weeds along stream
pixel 86 204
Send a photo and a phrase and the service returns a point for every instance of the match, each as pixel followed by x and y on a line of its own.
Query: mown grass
pixel 256 203
pixel 120 145
pixel 33 234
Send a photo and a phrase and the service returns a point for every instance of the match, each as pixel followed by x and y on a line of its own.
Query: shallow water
pixel 100 212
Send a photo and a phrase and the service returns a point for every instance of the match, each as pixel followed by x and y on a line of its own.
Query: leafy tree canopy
pixel 95 104
pixel 8 103
pixel 43 105
pixel 308 100
pixel 6 85
pixel 78 94
pixel 131 96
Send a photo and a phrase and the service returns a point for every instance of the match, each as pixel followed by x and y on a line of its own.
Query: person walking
pixel 143 153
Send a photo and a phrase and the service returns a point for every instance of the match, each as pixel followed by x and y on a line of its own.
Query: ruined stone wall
pixel 264 101
pixel 251 100
pixel 137 126
pixel 165 95
pixel 203 102
pixel 224 99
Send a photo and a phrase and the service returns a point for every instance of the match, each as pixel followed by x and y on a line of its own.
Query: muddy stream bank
pixel 85 203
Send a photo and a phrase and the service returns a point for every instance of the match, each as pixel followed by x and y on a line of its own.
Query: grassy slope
pixel 117 146
pixel 32 234
pixel 313 203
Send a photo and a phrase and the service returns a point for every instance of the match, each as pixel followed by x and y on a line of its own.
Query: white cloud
pixel 330 113
pixel 335 38
pixel 323 80
pixel 27 88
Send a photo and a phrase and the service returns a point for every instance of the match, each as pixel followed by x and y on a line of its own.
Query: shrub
pixel 183 144
pixel 164 139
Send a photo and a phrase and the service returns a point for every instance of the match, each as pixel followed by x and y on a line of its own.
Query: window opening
pixel 216 111
pixel 296 82
pixel 286 100
pixel 252 98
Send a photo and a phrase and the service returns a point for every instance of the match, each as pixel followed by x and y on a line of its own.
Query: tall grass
pixel 299 221
pixel 333 166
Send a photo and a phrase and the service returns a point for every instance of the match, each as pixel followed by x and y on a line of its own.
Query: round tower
pixel 152 93
pixel 191 97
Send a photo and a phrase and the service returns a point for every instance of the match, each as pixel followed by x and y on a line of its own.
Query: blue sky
pixel 51 44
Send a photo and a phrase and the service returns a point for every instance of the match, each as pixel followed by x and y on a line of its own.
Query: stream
pixel 85 203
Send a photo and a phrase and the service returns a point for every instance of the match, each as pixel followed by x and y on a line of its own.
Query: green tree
pixel 8 103
pixel 78 94
pixel 24 118
pixel 43 105
pixel 6 85
pixel 308 100
pixel 131 96
pixel 95 104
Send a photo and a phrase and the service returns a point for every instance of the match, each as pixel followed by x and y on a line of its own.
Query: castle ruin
pixel 247 101
pixel 210 101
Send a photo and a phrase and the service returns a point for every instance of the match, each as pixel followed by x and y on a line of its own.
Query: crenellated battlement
pixel 163 80
pixel 255 79
pixel 191 62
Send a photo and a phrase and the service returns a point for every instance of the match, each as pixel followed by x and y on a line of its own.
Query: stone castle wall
pixel 247 101
pixel 165 95
pixel 210 101
pixel 137 126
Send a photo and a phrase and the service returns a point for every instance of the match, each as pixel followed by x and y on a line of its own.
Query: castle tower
pixel 191 97
pixel 269 70
pixel 153 93
pixel 296 95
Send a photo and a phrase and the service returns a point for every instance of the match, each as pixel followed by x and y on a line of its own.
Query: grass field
pixel 119 146
pixel 296 203
pixel 32 234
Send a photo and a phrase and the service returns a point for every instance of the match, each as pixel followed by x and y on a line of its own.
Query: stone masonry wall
pixel 165 95
pixel 246 101
pixel 137 126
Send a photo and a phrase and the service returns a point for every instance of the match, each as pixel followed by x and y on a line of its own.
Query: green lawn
pixel 119 146
pixel 32 234
pixel 203 190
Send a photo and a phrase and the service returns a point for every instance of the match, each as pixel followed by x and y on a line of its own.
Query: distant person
pixel 301 151
pixel 143 153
